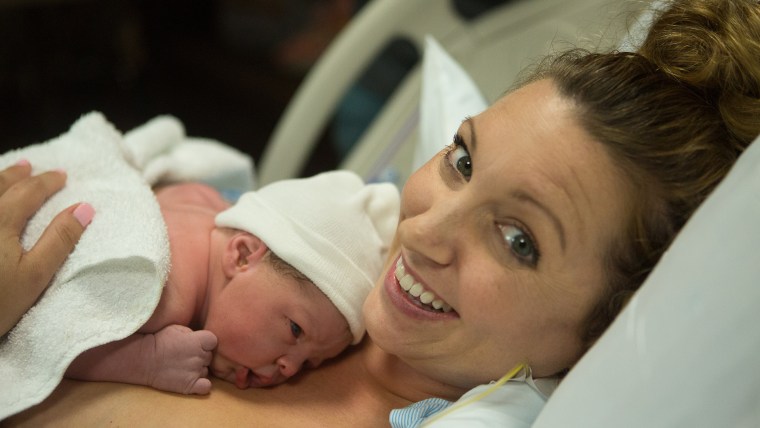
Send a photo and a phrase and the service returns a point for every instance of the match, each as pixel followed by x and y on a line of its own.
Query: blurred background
pixel 225 68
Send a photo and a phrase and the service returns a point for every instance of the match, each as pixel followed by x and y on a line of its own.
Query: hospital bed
pixel 684 351
pixel 492 47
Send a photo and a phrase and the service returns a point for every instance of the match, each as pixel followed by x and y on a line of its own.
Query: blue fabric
pixel 411 416
pixel 230 195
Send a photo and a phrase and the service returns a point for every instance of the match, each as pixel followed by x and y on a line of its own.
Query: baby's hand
pixel 181 360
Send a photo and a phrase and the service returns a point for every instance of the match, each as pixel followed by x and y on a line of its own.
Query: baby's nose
pixel 289 365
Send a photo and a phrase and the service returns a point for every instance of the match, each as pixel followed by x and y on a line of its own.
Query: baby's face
pixel 270 325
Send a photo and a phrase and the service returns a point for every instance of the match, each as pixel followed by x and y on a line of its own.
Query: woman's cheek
pixel 416 194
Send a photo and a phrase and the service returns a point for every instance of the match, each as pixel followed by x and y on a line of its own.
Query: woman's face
pixel 505 232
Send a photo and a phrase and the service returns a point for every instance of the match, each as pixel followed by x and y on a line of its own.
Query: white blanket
pixel 164 154
pixel 111 283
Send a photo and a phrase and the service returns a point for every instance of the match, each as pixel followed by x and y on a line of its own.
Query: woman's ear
pixel 242 250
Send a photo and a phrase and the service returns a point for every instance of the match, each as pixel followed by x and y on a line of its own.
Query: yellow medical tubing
pixel 510 374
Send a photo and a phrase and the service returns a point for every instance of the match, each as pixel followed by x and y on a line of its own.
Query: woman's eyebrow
pixel 473 138
pixel 549 213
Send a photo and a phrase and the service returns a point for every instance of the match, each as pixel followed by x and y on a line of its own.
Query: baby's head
pixel 301 257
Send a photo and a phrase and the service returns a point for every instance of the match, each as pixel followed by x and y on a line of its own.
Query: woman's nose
pixel 433 233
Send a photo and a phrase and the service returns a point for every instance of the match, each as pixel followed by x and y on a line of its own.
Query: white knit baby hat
pixel 331 227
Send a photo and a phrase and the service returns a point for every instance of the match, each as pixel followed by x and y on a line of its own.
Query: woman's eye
pixel 295 329
pixel 459 158
pixel 520 243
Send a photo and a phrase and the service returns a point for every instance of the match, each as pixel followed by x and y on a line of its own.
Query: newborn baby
pixel 258 290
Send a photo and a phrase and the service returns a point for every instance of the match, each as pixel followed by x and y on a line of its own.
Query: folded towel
pixel 162 152
pixel 109 286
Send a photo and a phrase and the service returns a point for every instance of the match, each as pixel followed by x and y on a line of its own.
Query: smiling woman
pixel 521 242
pixel 471 235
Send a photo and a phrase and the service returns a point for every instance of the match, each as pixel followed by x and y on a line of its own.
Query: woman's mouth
pixel 417 293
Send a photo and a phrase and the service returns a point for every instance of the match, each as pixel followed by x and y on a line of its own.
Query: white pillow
pixel 449 95
pixel 685 351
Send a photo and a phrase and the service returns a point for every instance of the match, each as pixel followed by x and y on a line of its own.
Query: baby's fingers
pixel 201 386
pixel 207 340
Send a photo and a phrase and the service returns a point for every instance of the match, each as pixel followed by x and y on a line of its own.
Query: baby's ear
pixel 242 250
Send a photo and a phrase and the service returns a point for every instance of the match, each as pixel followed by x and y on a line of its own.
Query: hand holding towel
pixel 109 286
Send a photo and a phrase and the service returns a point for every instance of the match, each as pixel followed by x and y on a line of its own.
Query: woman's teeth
pixel 415 289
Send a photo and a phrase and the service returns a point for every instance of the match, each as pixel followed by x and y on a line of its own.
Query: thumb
pixel 207 339
pixel 58 240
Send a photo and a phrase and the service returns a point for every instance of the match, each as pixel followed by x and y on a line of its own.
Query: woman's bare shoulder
pixel 328 396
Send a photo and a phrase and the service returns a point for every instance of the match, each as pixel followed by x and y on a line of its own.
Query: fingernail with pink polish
pixel 22 162
pixel 84 213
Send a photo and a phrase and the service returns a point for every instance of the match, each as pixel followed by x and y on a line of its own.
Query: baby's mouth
pixel 424 298
pixel 246 378
pixel 243 377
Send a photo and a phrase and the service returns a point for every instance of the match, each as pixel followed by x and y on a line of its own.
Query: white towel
pixel 164 154
pixel 109 286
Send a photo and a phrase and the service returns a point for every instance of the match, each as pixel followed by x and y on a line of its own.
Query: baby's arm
pixel 174 359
